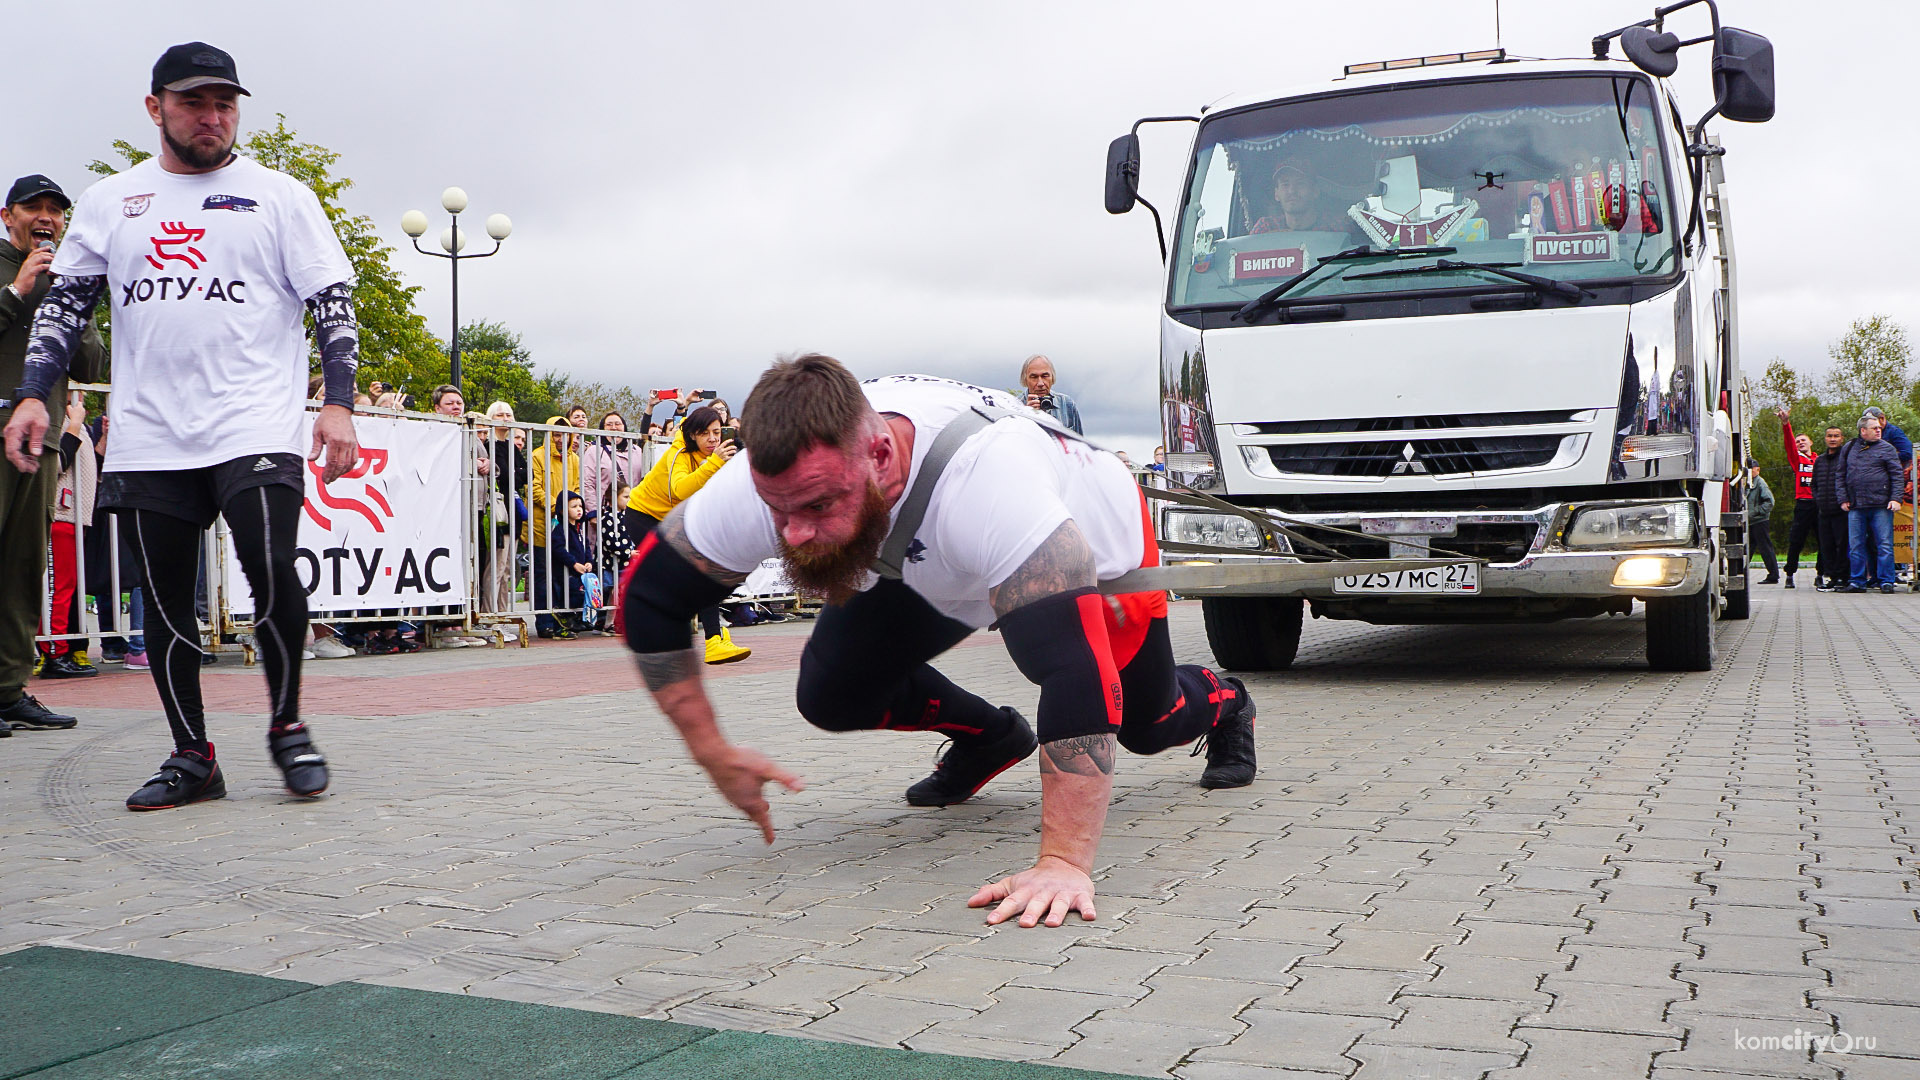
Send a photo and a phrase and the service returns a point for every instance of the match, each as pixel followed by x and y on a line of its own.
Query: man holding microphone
pixel 34 216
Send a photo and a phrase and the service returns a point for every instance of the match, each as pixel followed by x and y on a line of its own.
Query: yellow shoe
pixel 722 650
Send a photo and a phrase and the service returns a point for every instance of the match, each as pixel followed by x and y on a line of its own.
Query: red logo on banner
pixel 1260 265
pixel 372 462
pixel 177 246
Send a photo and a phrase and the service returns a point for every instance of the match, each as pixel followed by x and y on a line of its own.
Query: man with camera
pixel 1036 378
pixel 35 216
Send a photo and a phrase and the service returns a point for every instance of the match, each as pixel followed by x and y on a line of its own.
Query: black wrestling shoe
pixel 29 714
pixel 299 760
pixel 967 766
pixel 186 777
pixel 1229 746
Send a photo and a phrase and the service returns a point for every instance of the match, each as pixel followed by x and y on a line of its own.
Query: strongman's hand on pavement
pixel 741 774
pixel 333 432
pixel 26 433
pixel 1052 890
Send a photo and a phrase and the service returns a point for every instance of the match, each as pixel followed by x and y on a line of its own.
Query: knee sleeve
pixel 662 592
pixel 1060 644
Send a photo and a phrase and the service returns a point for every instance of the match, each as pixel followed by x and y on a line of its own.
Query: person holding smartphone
pixel 692 460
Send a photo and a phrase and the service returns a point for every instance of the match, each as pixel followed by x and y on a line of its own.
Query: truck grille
pixel 1496 543
pixel 1414 423
pixel 1441 457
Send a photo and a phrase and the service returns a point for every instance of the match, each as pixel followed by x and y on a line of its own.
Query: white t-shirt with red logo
pixel 1004 491
pixel 207 277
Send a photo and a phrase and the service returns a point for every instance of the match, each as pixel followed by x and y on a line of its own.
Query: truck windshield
pixel 1560 175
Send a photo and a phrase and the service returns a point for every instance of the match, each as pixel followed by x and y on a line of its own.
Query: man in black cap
pixel 35 216
pixel 210 260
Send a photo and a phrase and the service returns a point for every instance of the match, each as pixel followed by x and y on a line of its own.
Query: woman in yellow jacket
pixel 685 466
pixel 554 469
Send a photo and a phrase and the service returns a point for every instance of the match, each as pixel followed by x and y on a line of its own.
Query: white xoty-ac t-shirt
pixel 1004 491
pixel 207 277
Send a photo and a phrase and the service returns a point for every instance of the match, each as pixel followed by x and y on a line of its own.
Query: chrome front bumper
pixel 1546 571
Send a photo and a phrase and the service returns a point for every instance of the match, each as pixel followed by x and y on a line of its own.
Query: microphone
pixel 45 245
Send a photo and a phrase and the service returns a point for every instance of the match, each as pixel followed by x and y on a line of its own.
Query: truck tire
pixel 1253 633
pixel 1737 604
pixel 1680 632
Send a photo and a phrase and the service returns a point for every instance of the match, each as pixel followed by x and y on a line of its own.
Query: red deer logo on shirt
pixel 177 246
pixel 372 462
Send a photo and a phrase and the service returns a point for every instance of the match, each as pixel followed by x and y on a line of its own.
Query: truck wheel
pixel 1680 632
pixel 1253 633
pixel 1737 603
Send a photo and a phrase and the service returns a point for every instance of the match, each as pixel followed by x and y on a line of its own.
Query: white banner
pixel 387 534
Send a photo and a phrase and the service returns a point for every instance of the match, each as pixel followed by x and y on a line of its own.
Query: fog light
pixel 1650 570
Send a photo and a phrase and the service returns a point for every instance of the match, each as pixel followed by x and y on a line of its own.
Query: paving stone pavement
pixel 1493 851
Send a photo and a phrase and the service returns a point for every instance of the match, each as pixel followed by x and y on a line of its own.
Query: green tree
pixel 395 346
pixel 495 366
pixel 1779 387
pixel 1872 363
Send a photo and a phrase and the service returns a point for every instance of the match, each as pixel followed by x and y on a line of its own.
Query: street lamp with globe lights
pixel 453 242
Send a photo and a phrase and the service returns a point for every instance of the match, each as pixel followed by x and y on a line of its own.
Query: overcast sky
pixel 917 187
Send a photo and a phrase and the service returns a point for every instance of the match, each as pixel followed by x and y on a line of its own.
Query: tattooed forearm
pixel 1063 562
pixel 1088 755
pixel 661 670
pixel 673 533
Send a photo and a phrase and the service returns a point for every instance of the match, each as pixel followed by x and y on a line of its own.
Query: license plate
pixel 1459 578
pixel 1408 526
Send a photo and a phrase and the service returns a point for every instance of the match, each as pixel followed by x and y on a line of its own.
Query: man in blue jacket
pixel 1902 445
pixel 1870 481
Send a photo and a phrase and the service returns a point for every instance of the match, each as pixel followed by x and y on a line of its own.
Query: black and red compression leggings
pixel 866 667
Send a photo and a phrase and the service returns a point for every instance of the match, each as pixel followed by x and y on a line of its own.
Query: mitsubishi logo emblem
pixel 1408 463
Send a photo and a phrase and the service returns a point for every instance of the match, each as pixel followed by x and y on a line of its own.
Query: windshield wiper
pixel 1565 290
pixel 1267 299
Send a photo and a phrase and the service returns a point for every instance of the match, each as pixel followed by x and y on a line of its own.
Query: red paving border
pixel 544 671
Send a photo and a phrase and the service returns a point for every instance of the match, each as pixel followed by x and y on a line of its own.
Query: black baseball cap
pixel 32 187
pixel 196 63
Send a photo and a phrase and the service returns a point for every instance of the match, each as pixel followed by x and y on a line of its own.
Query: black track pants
pixel 264 523
pixel 1806 519
pixel 1833 547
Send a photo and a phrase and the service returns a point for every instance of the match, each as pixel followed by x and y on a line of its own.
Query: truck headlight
pixel 1645 523
pixel 1215 530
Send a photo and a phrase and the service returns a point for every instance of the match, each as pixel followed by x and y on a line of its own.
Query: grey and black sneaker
pixel 967 766
pixel 28 714
pixel 186 777
pixel 1229 746
pixel 299 760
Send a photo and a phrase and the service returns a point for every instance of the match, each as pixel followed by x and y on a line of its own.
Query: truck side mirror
pixel 1123 173
pixel 1657 54
pixel 1743 76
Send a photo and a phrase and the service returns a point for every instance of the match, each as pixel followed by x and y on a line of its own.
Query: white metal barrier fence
pixel 445 522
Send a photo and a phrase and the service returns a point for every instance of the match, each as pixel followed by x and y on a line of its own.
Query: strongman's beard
pixel 195 157
pixel 835 573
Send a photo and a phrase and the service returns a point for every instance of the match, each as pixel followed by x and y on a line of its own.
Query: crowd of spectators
pixel 1845 498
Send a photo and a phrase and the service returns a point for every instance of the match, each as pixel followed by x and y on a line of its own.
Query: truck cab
pixel 1462 307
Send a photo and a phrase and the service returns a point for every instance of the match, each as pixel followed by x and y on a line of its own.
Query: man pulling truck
pixel 974 512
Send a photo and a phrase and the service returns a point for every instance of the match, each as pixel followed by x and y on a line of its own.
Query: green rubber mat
pixel 75 1015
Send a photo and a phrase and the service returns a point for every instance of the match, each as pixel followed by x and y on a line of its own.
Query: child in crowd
pixel 571 550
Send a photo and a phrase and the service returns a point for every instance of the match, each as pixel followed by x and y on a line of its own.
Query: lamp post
pixel 453 240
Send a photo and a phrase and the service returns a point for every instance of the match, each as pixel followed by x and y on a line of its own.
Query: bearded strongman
pixel 1014 524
